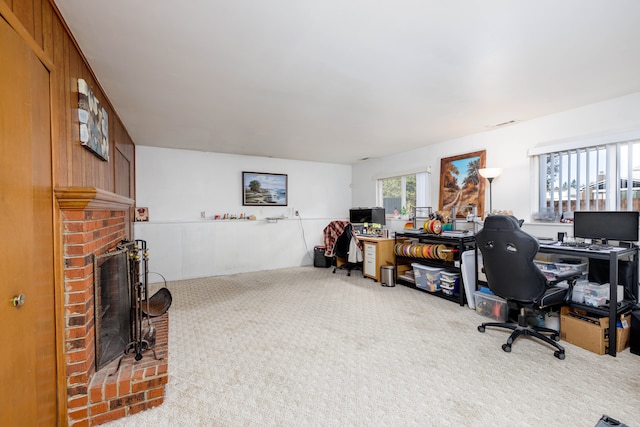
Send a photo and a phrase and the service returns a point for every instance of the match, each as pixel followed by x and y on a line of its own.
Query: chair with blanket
pixel 347 253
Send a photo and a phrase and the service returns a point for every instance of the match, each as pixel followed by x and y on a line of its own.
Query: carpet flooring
pixel 305 347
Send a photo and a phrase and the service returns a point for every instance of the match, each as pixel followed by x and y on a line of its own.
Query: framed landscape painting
pixel 264 189
pixel 460 182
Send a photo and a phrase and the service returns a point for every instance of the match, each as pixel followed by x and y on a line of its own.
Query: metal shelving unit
pixel 614 256
pixel 455 244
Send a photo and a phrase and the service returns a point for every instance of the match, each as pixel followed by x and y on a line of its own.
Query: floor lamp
pixel 490 174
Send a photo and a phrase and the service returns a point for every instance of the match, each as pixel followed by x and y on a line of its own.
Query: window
pixel 594 178
pixel 406 191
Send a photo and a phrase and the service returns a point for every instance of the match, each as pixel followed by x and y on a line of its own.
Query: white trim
pixel 583 142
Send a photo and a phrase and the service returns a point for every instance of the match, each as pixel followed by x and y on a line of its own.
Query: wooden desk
pixel 377 252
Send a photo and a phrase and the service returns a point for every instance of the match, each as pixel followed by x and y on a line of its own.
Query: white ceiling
pixel 342 80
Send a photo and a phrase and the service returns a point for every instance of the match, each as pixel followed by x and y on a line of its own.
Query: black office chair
pixel 507 254
pixel 341 252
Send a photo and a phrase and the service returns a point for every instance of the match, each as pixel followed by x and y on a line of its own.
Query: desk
pixel 614 255
pixel 378 251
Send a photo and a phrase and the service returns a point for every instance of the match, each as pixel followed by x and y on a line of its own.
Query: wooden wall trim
pixel 83 198
pixel 13 21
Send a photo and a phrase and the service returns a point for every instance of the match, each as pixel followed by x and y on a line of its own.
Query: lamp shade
pixel 490 173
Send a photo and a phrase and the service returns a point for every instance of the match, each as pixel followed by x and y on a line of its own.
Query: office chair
pixel 508 253
pixel 343 258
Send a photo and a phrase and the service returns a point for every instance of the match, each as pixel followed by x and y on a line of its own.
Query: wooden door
pixel 27 332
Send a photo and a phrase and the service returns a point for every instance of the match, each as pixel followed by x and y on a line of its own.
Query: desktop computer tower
pixel 634 339
pixel 319 259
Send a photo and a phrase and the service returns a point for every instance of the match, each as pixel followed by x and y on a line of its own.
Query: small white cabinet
pixel 369 259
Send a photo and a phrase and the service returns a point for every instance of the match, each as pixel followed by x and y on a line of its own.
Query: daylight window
pixel 595 178
pixel 401 194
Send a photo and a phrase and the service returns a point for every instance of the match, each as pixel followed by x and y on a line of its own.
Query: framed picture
pixel 94 122
pixel 264 189
pixel 460 182
pixel 142 214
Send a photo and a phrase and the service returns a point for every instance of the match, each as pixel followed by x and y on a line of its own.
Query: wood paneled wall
pixel 41 24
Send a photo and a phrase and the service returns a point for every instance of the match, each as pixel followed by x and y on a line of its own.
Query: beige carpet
pixel 305 347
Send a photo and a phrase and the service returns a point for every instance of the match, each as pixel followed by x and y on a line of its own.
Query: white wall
pixel 179 184
pixel 176 185
pixel 506 148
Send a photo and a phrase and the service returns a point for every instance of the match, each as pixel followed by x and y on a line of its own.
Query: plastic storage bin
pixel 545 265
pixel 597 290
pixel 578 292
pixel 595 301
pixel 582 267
pixel 449 282
pixel 427 277
pixel 492 306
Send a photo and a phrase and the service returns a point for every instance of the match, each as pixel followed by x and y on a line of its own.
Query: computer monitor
pixel 606 225
pixel 370 215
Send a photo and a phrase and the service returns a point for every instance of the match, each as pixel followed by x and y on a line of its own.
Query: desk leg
pixel 613 302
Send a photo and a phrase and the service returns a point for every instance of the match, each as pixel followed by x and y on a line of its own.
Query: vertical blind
pixel 594 178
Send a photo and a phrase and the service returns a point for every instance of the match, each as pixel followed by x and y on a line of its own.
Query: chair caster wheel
pixel 481 328
pixel 559 354
pixel 506 348
pixel 555 337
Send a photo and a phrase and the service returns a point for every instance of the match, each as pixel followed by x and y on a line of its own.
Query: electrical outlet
pixel 297 213
pixel 202 214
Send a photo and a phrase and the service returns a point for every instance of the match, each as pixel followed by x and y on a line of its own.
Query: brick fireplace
pixel 94 222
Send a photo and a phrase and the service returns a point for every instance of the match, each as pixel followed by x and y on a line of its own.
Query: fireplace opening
pixel 112 292
pixel 123 306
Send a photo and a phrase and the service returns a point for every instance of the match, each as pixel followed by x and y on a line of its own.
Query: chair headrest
pixel 502 222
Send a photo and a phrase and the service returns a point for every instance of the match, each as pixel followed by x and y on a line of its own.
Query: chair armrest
pixel 568 275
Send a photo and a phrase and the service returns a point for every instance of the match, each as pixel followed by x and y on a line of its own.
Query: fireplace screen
pixel 112 305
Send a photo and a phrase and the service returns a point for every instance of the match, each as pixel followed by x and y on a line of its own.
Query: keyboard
pixel 590 246
pixel 600 247
pixel 576 244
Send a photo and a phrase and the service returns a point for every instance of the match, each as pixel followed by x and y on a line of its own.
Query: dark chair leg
pixel 535 332
pixel 511 326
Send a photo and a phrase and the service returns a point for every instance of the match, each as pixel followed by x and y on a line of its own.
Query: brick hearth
pixel 93 223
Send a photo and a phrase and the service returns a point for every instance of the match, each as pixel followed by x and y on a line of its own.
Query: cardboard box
pixel 591 332
pixel 584 330
pixel 623 335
